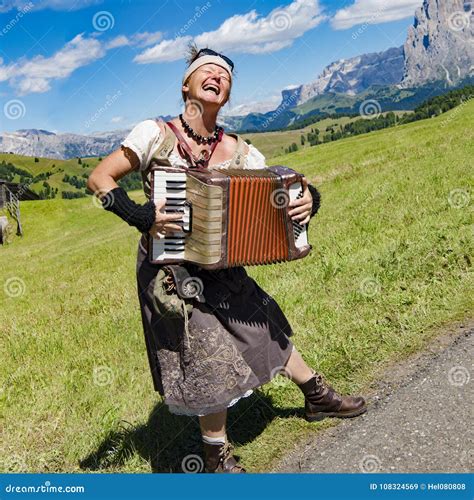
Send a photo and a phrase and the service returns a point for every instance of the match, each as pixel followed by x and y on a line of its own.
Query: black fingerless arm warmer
pixel 140 216
pixel 316 199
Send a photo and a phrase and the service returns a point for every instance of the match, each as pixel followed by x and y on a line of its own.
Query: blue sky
pixel 90 65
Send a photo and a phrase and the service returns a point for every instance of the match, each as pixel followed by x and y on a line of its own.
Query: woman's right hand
pixel 163 224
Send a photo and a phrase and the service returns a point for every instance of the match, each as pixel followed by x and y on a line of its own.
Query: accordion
pixel 230 218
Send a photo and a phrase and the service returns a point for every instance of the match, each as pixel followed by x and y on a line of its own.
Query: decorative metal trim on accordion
pixel 237 217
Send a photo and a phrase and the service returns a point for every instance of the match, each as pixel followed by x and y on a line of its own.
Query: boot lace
pixel 225 453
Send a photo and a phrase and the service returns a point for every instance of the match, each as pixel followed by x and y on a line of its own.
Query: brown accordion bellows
pixel 236 217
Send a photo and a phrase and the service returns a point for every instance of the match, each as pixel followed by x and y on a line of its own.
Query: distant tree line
pixel 47 192
pixel 428 109
pixel 318 118
pixel 69 195
pixel 8 171
pixel 131 181
pixel 75 181
pixel 440 104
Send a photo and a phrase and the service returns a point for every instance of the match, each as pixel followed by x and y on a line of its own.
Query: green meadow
pixel 391 263
pixel 272 144
pixel 57 169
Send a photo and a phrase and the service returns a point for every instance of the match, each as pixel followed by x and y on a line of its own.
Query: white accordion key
pixel 171 186
pixel 299 230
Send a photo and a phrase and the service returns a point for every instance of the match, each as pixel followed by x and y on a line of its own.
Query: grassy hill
pixel 53 170
pixel 273 144
pixel 391 260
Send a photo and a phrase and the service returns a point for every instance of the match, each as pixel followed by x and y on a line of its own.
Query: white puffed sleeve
pixel 254 158
pixel 144 140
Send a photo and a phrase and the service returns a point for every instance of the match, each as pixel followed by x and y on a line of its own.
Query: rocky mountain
pixel 46 144
pixel 37 142
pixel 440 44
pixel 251 107
pixel 352 76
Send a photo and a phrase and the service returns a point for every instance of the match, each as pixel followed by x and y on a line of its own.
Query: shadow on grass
pixel 166 439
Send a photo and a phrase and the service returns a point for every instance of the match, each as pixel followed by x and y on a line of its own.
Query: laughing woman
pixel 238 338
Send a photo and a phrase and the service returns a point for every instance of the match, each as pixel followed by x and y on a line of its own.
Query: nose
pixel 216 75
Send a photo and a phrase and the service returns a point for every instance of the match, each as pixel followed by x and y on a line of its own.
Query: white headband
pixel 207 59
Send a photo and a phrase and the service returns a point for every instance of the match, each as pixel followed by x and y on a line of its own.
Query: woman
pixel 238 337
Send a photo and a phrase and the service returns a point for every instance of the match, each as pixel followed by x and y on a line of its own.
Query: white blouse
pixel 146 137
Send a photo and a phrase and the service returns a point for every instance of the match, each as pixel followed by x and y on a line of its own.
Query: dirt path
pixel 419 419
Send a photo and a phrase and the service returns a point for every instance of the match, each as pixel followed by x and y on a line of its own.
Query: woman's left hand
pixel 300 209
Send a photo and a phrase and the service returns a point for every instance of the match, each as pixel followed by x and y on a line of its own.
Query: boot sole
pixel 315 417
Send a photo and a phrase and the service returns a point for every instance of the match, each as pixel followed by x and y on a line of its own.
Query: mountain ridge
pixel 436 55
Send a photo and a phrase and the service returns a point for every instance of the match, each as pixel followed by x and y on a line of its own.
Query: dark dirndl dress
pixel 238 340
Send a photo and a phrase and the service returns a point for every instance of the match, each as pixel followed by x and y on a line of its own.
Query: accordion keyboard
pixel 171 186
pixel 299 230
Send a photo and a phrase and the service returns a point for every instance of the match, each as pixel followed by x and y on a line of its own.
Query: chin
pixel 215 102
pixel 211 99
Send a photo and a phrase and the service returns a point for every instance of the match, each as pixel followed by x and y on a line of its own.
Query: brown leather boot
pixel 322 401
pixel 219 458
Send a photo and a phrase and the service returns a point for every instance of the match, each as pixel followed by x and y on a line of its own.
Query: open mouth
pixel 210 87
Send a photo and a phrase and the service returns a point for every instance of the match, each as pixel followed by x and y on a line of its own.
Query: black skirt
pixel 236 341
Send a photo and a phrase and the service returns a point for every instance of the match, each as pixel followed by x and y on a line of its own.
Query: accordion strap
pixel 167 145
pixel 186 149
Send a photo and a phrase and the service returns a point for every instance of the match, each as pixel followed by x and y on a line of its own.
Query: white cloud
pixel 374 12
pixel 251 33
pixel 118 41
pixel 67 5
pixel 245 33
pixel 35 75
pixel 140 39
pixel 145 39
pixel 116 119
pixel 165 51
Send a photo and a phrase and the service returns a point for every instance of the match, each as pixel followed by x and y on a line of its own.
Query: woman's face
pixel 209 84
